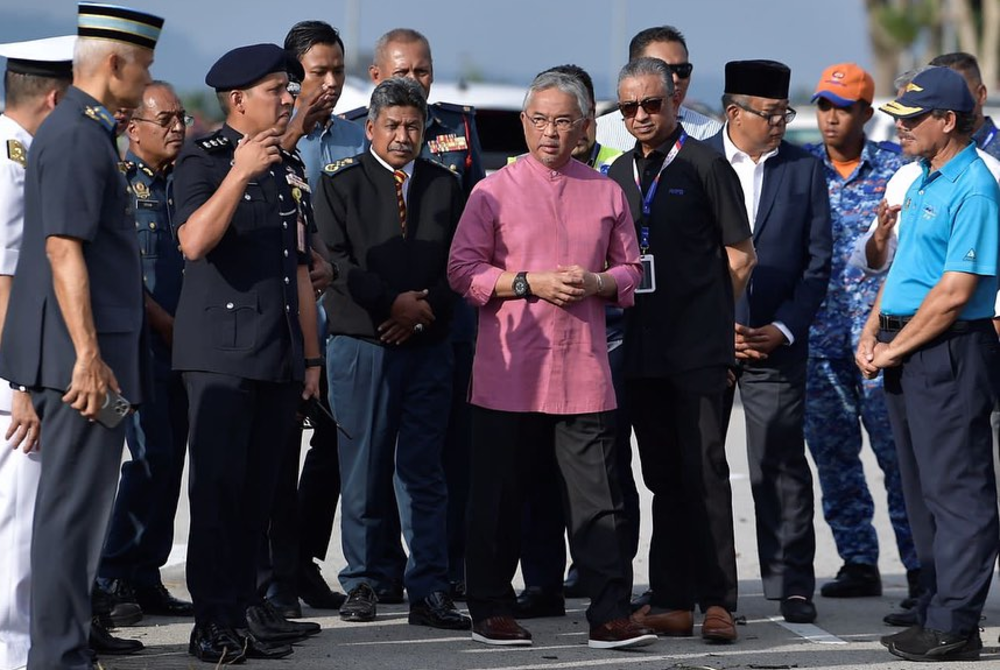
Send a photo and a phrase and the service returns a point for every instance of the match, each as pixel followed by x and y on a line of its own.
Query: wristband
pixel 314 362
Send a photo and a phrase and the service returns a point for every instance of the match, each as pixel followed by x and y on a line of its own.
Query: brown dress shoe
pixel 718 625
pixel 671 623
pixel 620 634
pixel 501 630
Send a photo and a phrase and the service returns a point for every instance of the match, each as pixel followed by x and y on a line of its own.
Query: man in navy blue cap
pixel 244 218
pixel 74 326
pixel 930 333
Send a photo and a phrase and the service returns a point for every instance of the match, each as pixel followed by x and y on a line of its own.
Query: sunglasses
pixel 649 105
pixel 682 70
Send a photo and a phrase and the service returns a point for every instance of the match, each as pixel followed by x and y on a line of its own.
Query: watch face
pixel 520 287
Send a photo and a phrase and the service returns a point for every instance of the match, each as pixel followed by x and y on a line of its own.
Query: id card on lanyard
pixel 648 282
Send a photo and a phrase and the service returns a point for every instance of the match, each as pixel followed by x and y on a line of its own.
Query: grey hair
pixel 567 83
pixel 639 67
pixel 397 92
pixel 906 77
pixel 89 52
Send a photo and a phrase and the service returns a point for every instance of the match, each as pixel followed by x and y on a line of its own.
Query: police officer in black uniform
pixel 450 138
pixel 244 217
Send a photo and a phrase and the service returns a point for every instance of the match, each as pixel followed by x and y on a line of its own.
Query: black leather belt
pixel 894 324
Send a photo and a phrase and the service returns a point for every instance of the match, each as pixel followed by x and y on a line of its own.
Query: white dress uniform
pixel 19 472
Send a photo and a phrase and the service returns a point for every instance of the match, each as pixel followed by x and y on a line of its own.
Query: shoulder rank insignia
pixel 17 153
pixel 450 107
pixel 355 114
pixel 336 166
pixel 213 143
pixel 101 115
pixel 445 143
pixel 125 166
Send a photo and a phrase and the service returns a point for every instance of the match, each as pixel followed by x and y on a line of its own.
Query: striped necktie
pixel 399 177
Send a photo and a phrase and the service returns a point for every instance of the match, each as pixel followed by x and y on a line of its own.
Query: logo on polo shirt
pixel 970 255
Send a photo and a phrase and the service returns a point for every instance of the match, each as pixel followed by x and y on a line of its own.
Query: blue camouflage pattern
pixel 839 400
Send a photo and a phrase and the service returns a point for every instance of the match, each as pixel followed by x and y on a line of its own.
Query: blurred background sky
pixel 505 41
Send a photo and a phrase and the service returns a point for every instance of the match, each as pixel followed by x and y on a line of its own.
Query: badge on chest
pixel 445 143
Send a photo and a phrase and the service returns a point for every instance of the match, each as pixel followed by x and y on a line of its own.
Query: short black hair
pixel 579 73
pixel 20 88
pixel 964 121
pixel 962 62
pixel 304 35
pixel 648 36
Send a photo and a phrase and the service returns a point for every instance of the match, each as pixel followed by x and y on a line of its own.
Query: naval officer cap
pixel 244 66
pixel 48 57
pixel 758 78
pixel 119 24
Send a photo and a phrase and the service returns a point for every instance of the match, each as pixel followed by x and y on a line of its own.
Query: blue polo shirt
pixel 948 223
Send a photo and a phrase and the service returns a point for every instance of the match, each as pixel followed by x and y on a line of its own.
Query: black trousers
pixel 238 428
pixel 504 446
pixel 76 491
pixel 939 403
pixel 678 422
pixel 773 396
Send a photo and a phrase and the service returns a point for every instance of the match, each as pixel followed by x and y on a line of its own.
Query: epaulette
pixel 213 143
pixel 339 166
pixel 17 153
pixel 293 157
pixel 886 145
pixel 450 107
pixel 355 114
pixel 125 167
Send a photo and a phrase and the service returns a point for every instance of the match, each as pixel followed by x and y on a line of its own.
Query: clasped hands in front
pixel 565 285
pixel 873 356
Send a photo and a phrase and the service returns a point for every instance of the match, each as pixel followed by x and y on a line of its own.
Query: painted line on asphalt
pixel 616 661
pixel 375 643
pixel 810 632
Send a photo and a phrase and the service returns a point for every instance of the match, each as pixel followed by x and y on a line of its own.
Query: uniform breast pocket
pixel 251 214
pixel 233 322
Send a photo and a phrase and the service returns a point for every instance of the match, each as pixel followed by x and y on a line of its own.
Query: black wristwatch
pixel 522 289
pixel 314 362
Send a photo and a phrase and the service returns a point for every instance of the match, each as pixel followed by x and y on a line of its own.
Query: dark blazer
pixel 239 305
pixel 794 244
pixel 74 188
pixel 357 216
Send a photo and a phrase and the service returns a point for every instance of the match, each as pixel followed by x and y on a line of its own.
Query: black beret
pixel 760 78
pixel 244 66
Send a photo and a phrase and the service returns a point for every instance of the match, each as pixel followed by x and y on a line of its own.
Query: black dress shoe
pixel 906 618
pixel 213 643
pixel 254 648
pixel 103 642
pixel 854 580
pixel 535 602
pixel 798 610
pixel 314 590
pixel 438 611
pixel 114 603
pixel 390 595
pixel 268 625
pixel 935 646
pixel 158 600
pixel 360 605
pixel 286 606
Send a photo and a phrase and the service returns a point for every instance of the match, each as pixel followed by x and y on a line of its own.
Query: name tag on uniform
pixel 445 143
pixel 147 204
pixel 648 282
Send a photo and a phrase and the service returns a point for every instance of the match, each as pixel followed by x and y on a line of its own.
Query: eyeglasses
pixel 562 123
pixel 773 118
pixel 682 70
pixel 649 105
pixel 168 119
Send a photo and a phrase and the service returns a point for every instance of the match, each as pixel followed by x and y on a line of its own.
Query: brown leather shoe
pixel 501 630
pixel 671 623
pixel 620 634
pixel 718 625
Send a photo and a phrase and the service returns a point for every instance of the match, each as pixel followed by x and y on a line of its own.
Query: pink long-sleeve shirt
pixel 532 356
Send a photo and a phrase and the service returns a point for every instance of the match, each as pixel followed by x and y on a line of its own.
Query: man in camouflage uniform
pixel 837 396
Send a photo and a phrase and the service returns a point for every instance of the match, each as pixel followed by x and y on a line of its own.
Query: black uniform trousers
pixel 939 403
pixel 238 427
pixel 504 450
pixel 773 397
pixel 141 534
pixel 75 493
pixel 678 423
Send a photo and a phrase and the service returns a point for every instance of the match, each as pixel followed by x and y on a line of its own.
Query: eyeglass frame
pixel 787 117
pixel 675 68
pixel 642 103
pixel 546 122
pixel 186 119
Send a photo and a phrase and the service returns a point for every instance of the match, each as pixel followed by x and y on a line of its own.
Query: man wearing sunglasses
pixel 789 212
pixel 141 533
pixel 668 44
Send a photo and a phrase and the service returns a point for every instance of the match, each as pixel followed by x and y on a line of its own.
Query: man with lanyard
pixel 930 333
pixel 838 398
pixel 686 202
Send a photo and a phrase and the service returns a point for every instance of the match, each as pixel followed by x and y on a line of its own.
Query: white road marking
pixel 810 632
